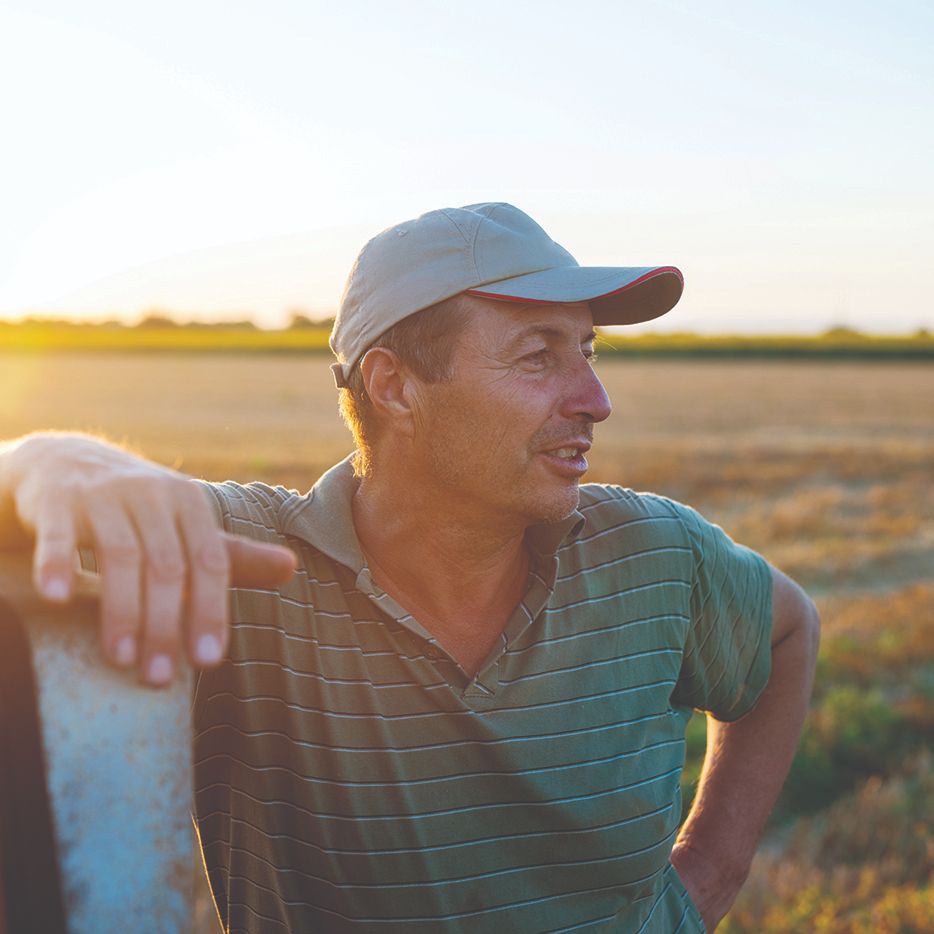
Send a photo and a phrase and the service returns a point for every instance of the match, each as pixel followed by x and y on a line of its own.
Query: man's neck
pixel 451 564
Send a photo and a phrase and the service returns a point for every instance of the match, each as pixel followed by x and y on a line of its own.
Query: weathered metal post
pixel 118 763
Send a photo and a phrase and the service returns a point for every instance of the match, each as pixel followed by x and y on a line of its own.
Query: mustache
pixel 554 436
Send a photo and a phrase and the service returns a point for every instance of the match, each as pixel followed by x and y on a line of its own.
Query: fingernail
pixel 125 651
pixel 160 669
pixel 208 650
pixel 56 589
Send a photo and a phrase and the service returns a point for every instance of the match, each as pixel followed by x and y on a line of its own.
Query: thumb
pixel 258 564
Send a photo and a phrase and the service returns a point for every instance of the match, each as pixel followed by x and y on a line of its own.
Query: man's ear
pixel 390 386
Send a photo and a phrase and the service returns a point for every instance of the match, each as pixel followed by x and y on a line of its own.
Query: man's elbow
pixel 809 621
pixel 794 615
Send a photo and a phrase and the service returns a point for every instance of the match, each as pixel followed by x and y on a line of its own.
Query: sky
pixel 228 159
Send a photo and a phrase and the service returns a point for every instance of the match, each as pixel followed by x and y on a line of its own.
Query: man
pixel 465 711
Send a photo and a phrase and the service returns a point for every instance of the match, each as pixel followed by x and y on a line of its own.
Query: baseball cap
pixel 491 250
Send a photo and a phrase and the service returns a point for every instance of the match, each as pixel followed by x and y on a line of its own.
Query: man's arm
pixel 747 761
pixel 165 564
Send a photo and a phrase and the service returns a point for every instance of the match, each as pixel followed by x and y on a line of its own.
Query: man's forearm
pixel 744 769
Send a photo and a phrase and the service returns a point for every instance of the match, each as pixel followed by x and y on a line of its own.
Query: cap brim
pixel 617 294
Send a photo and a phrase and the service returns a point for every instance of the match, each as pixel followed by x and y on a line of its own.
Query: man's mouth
pixel 566 453
pixel 571 448
pixel 569 459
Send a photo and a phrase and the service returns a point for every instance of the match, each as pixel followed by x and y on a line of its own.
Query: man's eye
pixel 590 356
pixel 539 356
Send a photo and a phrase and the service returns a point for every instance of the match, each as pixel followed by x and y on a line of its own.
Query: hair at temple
pixel 425 343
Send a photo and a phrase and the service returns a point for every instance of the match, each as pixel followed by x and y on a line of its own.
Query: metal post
pixel 118 761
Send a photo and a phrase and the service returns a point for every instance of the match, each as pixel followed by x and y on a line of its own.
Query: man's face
pixel 508 433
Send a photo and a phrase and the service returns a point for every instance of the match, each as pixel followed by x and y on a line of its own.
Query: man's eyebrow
pixel 544 330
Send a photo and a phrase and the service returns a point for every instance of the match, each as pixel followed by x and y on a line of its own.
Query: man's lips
pixel 567 457
pixel 573 447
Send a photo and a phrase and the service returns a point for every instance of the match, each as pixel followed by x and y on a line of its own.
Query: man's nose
pixel 586 396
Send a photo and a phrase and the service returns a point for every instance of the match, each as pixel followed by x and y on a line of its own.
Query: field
pixel 158 333
pixel 827 468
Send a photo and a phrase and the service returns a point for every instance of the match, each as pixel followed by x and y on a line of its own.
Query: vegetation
pixel 862 866
pixel 838 343
pixel 158 331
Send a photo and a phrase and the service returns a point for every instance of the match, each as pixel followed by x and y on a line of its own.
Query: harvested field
pixel 827 468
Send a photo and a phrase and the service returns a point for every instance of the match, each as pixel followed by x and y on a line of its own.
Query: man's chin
pixel 553 506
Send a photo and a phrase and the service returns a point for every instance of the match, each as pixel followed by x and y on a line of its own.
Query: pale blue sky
pixel 230 158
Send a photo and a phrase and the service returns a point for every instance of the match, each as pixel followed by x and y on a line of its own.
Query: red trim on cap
pixel 662 270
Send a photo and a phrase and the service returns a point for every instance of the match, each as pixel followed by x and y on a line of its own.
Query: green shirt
pixel 350 776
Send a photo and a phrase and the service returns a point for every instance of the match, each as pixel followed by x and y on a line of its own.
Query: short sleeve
pixel 728 654
pixel 249 509
pixel 215 500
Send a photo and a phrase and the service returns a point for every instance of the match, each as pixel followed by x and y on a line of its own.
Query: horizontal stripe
pixel 615 628
pixel 443 744
pixel 380 715
pixel 618 595
pixel 442 777
pixel 294 672
pixel 455 845
pixel 445 812
pixel 589 666
pixel 257 914
pixel 460 880
pixel 454 916
pixel 588 539
pixel 357 649
pixel 583 924
pixel 623 559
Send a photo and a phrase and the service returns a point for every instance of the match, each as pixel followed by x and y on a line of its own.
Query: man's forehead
pixel 514 320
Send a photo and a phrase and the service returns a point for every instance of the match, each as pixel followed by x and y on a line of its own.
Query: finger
pixel 259 564
pixel 208 580
pixel 164 573
pixel 54 555
pixel 119 559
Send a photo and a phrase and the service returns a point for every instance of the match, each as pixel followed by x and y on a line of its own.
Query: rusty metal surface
pixel 119 773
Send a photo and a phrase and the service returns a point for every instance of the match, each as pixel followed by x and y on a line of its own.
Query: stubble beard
pixel 470 460
pixel 503 488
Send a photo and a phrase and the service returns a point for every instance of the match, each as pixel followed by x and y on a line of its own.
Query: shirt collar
pixel 323 518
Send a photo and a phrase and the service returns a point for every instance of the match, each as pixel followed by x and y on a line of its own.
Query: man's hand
pixel 712 890
pixel 165 565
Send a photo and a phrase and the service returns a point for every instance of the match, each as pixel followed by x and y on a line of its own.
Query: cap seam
pixel 488 216
pixel 457 227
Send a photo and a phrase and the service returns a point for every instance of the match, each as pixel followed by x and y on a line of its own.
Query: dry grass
pixel 879 638
pixel 863 866
pixel 827 469
pixel 219 416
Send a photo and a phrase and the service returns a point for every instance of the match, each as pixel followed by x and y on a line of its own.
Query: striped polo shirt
pixel 349 776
